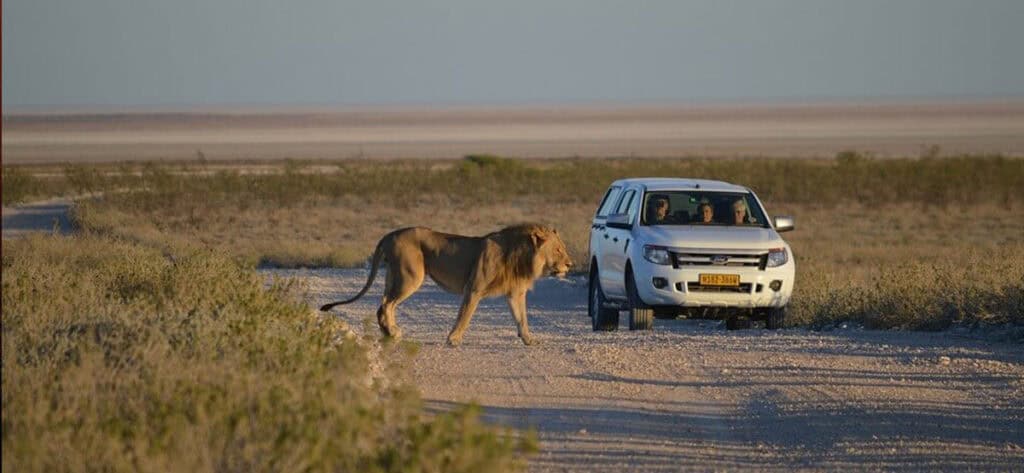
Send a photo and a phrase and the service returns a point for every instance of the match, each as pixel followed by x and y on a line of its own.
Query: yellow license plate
pixel 719 279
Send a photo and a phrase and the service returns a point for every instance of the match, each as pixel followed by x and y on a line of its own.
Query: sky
pixel 116 53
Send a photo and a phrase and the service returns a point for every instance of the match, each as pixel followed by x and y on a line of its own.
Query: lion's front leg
pixel 474 290
pixel 466 311
pixel 517 304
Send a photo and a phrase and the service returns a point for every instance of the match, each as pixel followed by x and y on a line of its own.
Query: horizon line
pixel 299 107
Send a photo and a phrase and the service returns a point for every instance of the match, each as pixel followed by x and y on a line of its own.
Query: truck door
pixel 613 248
pixel 597 228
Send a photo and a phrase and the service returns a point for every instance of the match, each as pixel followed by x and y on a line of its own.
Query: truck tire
pixel 641 316
pixel 666 313
pixel 735 322
pixel 602 319
pixel 776 316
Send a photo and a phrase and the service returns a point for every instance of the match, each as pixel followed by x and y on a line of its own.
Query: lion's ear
pixel 538 239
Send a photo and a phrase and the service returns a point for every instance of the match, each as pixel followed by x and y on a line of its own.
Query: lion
pixel 503 263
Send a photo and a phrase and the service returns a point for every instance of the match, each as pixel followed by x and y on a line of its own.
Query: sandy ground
pixel 808 130
pixel 690 395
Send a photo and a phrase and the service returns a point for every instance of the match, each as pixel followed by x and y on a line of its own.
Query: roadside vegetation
pixel 891 243
pixel 850 177
pixel 147 341
pixel 120 357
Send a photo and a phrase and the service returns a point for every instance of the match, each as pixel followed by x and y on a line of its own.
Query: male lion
pixel 501 263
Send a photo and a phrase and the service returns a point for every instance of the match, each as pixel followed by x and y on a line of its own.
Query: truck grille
pixel 722 259
pixel 696 287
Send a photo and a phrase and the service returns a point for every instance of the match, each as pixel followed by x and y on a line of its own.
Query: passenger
pixel 705 213
pixel 739 211
pixel 657 210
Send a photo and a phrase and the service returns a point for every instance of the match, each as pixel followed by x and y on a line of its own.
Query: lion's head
pixel 551 252
pixel 532 250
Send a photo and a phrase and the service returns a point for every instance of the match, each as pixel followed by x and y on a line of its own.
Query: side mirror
pixel 618 221
pixel 784 223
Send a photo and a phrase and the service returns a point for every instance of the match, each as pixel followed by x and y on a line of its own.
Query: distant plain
pixel 885 129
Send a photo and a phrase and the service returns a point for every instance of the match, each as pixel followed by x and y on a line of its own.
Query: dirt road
pixel 691 396
pixel 47 216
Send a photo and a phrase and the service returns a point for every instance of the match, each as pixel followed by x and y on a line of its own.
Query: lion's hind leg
pixel 403 281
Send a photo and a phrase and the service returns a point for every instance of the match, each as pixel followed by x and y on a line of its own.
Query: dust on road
pixel 690 395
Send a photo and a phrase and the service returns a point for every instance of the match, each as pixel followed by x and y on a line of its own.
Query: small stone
pixel 583 431
pixel 944 360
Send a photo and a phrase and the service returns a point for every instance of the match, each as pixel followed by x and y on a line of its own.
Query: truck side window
pixel 633 206
pixel 609 200
pixel 627 201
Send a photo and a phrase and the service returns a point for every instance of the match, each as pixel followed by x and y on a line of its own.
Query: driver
pixel 657 210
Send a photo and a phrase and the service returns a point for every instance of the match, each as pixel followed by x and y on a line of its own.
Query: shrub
pixel 19 185
pixel 985 288
pixel 117 358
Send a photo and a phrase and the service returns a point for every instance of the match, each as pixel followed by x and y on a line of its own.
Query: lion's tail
pixel 378 255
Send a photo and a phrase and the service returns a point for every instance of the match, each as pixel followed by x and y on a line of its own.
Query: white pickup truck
pixel 662 248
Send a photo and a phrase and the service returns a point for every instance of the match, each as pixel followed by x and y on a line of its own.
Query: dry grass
pixel 851 258
pixel 147 343
pixel 864 224
pixel 851 176
pixel 908 266
pixel 117 357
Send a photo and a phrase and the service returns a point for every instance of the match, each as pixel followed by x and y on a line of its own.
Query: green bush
pixel 19 185
pixel 119 358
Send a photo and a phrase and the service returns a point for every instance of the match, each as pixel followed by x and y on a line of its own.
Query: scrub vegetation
pixel 147 342
pixel 118 357
pixel 850 177
pixel 891 243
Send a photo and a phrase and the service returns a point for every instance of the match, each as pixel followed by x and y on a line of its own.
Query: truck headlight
pixel 657 255
pixel 777 257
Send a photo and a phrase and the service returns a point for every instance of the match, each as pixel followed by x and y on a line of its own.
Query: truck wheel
pixel 666 313
pixel 602 319
pixel 735 322
pixel 776 316
pixel 641 316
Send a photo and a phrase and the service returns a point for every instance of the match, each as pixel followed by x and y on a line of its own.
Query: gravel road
pixel 690 395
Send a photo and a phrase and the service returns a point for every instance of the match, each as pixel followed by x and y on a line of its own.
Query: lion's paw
pixel 391 334
pixel 530 341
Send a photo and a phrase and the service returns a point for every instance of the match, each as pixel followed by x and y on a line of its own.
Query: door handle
pixel 605 236
pixel 616 239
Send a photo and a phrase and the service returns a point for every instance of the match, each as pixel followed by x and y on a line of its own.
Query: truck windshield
pixel 702 208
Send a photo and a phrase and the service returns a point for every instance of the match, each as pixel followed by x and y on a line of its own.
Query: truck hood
pixel 711 237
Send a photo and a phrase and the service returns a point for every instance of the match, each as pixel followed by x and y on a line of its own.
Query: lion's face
pixel 556 257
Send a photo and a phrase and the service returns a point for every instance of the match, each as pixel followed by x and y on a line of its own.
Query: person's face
pixel 706 214
pixel 739 214
pixel 660 209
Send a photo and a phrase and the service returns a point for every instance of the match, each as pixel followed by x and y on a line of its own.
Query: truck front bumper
pixel 681 286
